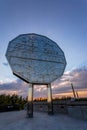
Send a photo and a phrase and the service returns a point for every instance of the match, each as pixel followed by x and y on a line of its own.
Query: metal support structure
pixel 73 91
pixel 49 99
pixel 30 101
pixel 77 95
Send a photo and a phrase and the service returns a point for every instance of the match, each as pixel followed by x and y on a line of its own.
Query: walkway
pixel 41 121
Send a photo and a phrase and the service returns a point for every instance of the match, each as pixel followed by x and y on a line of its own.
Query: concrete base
pixel 43 107
pixel 79 112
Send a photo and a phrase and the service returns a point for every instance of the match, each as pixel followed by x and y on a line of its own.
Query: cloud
pixel 79 78
pixel 61 85
pixel 5 64
pixel 76 76
pixel 15 86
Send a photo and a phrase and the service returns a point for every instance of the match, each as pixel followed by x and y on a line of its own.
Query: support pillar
pixel 30 101
pixel 49 99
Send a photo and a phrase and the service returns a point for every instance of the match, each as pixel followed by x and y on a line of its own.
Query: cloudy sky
pixel 65 22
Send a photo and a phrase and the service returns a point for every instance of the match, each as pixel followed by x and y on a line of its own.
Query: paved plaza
pixel 41 121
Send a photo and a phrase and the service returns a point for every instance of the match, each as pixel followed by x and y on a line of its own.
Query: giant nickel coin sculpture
pixel 36 59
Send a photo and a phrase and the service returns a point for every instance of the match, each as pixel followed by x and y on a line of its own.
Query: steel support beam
pixel 49 99
pixel 30 101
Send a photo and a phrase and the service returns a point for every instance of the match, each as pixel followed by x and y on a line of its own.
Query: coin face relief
pixel 35 58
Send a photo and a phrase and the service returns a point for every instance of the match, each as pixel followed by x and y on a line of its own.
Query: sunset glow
pixel 65 22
